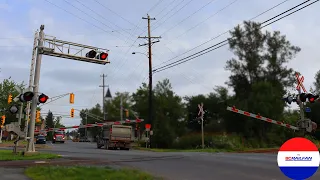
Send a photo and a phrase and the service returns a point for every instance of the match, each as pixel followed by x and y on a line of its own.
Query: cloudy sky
pixel 115 25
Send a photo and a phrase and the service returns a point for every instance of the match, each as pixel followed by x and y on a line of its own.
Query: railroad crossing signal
pixel 71 98
pixel 43 98
pixel 72 113
pixel 97 55
pixel 289 99
pixel 9 98
pixel 311 98
pixel 300 83
pixel 27 96
pixel 13 109
pixel 3 120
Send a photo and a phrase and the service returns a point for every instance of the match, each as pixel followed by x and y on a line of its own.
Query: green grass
pixel 79 173
pixel 7 155
pixel 12 142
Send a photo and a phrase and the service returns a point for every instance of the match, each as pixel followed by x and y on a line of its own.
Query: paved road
pixel 184 165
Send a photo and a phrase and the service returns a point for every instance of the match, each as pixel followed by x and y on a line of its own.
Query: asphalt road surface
pixel 183 165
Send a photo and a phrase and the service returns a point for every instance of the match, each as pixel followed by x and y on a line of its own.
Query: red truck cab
pixel 59 136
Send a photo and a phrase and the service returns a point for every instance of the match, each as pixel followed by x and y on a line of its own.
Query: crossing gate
pixel 90 125
pixel 257 116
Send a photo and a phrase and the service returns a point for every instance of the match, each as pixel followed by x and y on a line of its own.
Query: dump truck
pixel 114 137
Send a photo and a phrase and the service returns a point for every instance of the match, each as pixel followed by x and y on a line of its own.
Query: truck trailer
pixel 114 137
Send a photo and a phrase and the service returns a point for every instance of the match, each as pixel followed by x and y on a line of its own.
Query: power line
pixel 176 24
pixel 211 16
pixel 222 33
pixel 225 42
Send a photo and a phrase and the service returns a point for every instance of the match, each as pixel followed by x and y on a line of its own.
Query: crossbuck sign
pixel 300 83
pixel 201 112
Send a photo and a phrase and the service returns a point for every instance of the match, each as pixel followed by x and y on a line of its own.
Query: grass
pixel 80 172
pixel 7 155
pixel 206 150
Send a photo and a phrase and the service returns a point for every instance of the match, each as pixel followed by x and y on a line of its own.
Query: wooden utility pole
pixel 150 43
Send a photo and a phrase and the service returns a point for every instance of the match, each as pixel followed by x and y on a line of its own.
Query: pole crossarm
pixel 69 50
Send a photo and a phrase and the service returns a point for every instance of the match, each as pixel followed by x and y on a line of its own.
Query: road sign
pixel 308 109
pixel 300 83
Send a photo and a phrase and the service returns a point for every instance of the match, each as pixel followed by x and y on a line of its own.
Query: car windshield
pixel 40 137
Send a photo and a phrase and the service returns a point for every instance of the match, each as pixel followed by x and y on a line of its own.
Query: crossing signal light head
pixel 27 96
pixel 312 97
pixel 43 98
pixel 71 98
pixel 303 97
pixel 91 54
pixel 102 56
pixel 13 109
pixel 289 99
pixel 9 98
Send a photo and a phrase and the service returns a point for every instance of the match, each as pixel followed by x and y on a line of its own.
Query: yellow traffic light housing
pixel 9 98
pixel 38 116
pixel 72 113
pixel 3 120
pixel 71 98
pixel 127 113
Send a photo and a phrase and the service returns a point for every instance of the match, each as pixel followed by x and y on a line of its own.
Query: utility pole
pixel 103 96
pixel 30 145
pixel 85 132
pixel 150 43
pixel 33 60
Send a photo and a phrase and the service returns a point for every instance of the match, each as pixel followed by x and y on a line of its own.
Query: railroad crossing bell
pixel 308 125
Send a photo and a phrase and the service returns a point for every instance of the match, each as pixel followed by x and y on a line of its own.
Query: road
pixel 184 165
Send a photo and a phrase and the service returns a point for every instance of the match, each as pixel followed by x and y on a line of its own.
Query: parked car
pixel 41 139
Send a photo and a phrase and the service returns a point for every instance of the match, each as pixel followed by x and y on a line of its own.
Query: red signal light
pixel 27 96
pixel 103 56
pixel 43 98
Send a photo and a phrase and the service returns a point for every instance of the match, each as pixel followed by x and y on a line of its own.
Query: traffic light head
pixel 127 112
pixel 38 115
pixel 71 98
pixel 3 119
pixel 9 98
pixel 72 113
pixel 43 98
pixel 102 56
pixel 91 54
pixel 312 97
pixel 27 96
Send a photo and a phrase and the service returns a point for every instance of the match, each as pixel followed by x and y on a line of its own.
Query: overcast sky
pixel 115 25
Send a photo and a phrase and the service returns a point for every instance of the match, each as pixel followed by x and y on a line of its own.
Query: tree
pixel 91 116
pixel 112 107
pixel 49 123
pixel 7 86
pixel 259 75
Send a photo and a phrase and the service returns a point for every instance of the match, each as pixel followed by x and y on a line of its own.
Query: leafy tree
pixel 91 116
pixel 259 74
pixel 7 86
pixel 112 107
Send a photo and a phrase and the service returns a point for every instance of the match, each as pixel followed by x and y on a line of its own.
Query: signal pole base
pixel 30 153
pixel 30 146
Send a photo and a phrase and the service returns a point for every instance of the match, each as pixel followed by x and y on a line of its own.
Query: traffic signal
pixel 127 112
pixel 71 98
pixel 289 99
pixel 9 98
pixel 27 96
pixel 38 116
pixel 43 98
pixel 94 54
pixel 312 97
pixel 72 113
pixel 102 56
pixel 3 120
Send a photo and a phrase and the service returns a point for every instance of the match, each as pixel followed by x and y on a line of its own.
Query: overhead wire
pixel 213 38
pixel 225 42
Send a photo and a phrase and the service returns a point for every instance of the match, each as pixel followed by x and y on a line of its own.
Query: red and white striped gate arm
pixel 257 116
pixel 127 121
